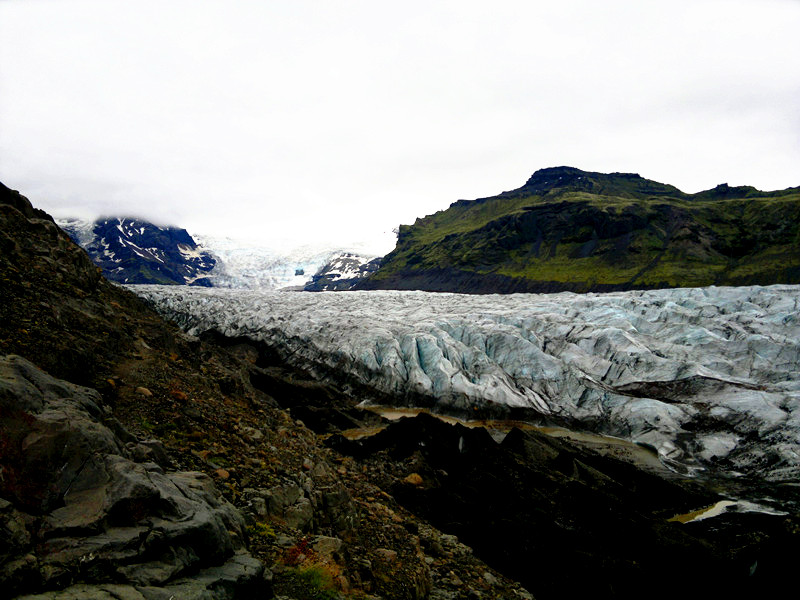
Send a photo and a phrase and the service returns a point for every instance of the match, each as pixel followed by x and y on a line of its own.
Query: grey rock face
pixel 707 376
pixel 81 516
pixel 320 505
pixel 300 514
pixel 240 577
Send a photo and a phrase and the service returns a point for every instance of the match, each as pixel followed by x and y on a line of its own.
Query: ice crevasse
pixel 707 376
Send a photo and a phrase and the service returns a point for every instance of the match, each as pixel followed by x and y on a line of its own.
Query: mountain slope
pixel 138 252
pixel 129 473
pixel 571 230
pixel 135 251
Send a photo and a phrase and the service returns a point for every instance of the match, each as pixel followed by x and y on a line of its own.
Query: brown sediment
pixel 604 445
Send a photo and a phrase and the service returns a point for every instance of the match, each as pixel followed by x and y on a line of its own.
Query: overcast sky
pixel 336 121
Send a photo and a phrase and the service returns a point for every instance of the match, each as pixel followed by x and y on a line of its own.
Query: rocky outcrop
pixel 567 522
pixel 135 251
pixel 58 310
pixel 463 281
pixel 83 518
pixel 22 204
pixel 70 265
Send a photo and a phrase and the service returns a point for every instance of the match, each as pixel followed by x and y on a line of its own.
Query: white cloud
pixel 317 120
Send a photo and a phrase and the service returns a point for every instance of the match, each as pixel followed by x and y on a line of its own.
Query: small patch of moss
pixel 262 531
pixel 311 582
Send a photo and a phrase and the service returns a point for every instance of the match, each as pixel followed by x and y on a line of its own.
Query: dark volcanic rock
pixel 26 231
pixel 461 281
pixel 135 251
pixel 545 511
pixel 626 184
pixel 56 308
pixel 86 507
pixel 22 204
pixel 70 489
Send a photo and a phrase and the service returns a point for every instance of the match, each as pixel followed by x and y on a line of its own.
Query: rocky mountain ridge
pixel 135 251
pixel 572 230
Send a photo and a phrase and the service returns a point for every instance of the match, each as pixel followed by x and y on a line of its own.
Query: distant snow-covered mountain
pixel 134 251
pixel 243 265
pixel 251 266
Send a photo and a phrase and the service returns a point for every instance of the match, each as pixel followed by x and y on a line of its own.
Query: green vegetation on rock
pixel 567 229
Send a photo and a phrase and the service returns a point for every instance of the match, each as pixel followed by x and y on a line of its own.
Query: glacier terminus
pixel 708 377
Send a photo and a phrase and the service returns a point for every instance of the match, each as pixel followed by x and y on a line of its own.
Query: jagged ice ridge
pixel 707 376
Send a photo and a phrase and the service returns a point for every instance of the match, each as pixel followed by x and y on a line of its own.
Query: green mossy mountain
pixel 572 230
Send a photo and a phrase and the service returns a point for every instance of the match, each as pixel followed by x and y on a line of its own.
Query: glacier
pixel 708 377
pixel 217 261
pixel 252 266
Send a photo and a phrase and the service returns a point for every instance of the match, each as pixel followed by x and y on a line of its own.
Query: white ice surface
pixel 265 267
pixel 84 230
pixel 703 375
